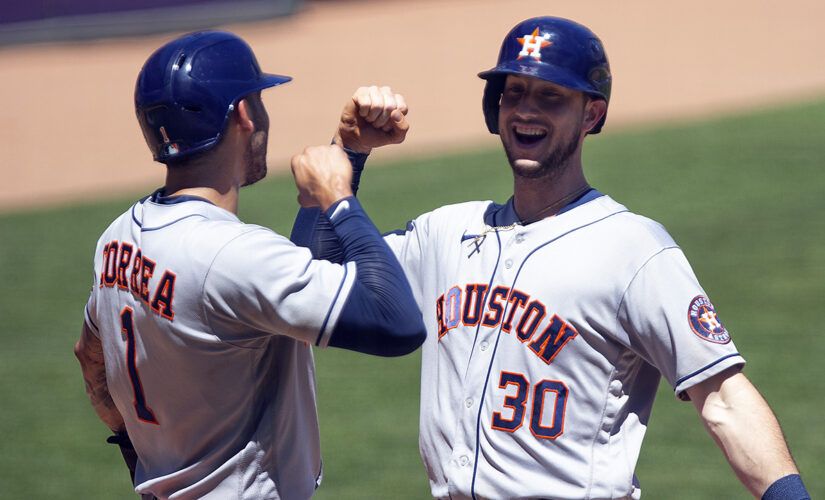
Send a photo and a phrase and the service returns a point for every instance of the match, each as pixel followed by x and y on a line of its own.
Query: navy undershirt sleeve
pixel 789 487
pixel 312 228
pixel 380 316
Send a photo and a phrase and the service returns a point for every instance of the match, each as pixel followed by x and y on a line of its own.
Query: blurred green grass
pixel 742 195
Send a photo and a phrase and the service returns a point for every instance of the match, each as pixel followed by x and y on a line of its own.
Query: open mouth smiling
pixel 528 136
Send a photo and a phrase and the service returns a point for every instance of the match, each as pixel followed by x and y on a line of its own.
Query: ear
pixel 244 116
pixel 594 110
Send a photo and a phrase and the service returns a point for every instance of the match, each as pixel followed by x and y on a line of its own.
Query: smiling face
pixel 541 125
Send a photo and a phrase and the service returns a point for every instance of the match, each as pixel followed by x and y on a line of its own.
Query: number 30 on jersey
pixel 546 394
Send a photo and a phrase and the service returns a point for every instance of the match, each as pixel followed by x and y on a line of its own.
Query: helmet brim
pixel 270 80
pixel 543 71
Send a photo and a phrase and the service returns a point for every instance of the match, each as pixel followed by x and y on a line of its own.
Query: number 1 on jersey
pixel 143 411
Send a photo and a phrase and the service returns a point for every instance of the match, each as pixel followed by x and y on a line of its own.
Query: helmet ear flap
pixel 491 102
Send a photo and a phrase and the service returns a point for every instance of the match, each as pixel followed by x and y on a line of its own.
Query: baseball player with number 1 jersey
pixel 551 317
pixel 197 341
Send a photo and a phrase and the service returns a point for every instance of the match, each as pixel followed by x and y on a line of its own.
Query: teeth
pixel 529 131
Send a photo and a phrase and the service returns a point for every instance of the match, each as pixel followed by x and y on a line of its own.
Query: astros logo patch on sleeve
pixel 705 322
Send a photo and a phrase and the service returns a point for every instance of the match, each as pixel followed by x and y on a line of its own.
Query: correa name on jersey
pixel 127 268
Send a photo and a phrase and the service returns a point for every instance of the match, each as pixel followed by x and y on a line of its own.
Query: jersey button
pixel 468 402
pixel 483 345
pixel 508 263
pixel 464 460
pixel 519 238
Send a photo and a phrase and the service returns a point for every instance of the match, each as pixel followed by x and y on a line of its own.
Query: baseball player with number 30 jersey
pixel 551 317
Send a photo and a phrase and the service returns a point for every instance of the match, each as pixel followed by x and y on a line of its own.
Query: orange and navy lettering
pixel 108 275
pixel 558 407
pixel 472 304
pixel 439 316
pixel 515 403
pixel 134 283
pixel 123 264
pixel 517 299
pixel 530 321
pixel 549 426
pixel 147 269
pixel 495 307
pixel 127 327
pixel 552 339
pixel 162 301
pixel 117 259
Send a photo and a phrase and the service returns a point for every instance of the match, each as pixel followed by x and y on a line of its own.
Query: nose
pixel 526 104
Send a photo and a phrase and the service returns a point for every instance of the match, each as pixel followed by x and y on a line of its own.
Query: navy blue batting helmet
pixel 553 49
pixel 187 88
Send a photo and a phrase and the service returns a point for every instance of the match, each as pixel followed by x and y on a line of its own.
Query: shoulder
pixel 122 225
pixel 457 214
pixel 627 228
pixel 199 225
pixel 445 221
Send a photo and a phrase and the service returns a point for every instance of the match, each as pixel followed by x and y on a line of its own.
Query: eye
pixel 513 90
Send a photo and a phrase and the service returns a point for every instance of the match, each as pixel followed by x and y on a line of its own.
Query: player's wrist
pixel 328 200
pixel 356 160
pixel 789 487
pixel 350 145
pixel 336 215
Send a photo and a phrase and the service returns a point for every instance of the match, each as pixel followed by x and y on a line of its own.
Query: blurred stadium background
pixel 62 20
pixel 68 129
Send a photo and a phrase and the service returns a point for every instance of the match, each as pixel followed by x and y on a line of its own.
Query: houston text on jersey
pixel 467 306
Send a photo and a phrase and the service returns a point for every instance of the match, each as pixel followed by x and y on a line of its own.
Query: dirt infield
pixel 68 129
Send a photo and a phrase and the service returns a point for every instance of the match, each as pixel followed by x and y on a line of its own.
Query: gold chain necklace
pixel 538 215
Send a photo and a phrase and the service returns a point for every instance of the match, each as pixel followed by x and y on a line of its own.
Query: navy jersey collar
pixel 159 197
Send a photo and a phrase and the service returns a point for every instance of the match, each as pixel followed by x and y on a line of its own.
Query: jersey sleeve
pixel 90 311
pixel 260 282
pixel 409 247
pixel 670 321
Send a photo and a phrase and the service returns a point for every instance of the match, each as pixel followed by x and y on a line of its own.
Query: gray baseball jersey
pixel 546 343
pixel 206 323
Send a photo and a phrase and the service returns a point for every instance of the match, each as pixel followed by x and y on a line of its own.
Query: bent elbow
pixel 408 341
pixel 81 352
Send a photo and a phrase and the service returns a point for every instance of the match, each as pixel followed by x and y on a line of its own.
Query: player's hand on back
pixel 373 117
pixel 323 176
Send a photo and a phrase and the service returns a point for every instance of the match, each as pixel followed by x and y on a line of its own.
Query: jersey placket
pixel 464 460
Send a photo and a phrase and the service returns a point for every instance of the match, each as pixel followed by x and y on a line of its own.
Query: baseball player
pixel 552 317
pixel 196 345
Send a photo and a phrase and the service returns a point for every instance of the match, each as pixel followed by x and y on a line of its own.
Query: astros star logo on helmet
pixel 532 44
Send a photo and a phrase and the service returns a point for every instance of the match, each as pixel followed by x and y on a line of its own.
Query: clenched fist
pixel 373 117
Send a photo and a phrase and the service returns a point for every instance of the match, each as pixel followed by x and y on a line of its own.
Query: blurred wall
pixel 56 20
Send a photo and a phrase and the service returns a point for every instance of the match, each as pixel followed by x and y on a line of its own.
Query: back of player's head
pixel 187 89
pixel 552 49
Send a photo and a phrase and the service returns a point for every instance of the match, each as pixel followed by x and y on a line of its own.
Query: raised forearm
pixel 89 352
